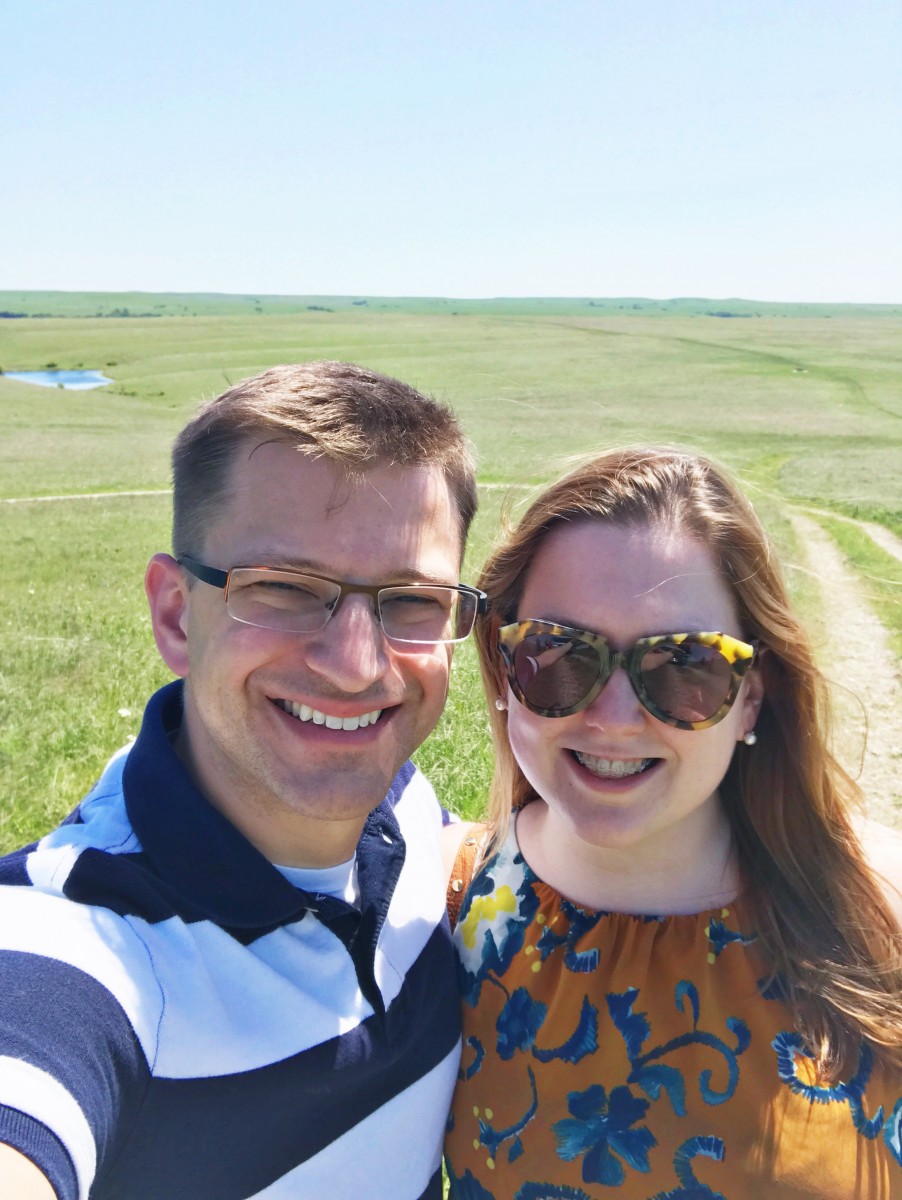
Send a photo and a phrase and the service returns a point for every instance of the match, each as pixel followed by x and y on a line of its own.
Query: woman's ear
pixel 167 594
pixel 497 662
pixel 753 687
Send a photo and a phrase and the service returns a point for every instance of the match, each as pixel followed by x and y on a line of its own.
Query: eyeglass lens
pixel 689 681
pixel 303 604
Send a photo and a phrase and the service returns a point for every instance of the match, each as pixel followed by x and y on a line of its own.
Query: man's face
pixel 297 788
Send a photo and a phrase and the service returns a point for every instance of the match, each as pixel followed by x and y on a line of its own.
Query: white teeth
pixel 304 712
pixel 612 768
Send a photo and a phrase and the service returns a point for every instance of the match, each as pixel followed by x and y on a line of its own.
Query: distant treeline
pixel 144 305
pixel 113 312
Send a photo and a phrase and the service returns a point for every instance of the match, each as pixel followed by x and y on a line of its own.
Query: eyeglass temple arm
pixel 205 574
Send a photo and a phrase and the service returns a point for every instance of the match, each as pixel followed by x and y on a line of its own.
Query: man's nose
pixel 351 649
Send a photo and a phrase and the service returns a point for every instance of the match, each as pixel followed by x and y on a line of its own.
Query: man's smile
pixel 304 712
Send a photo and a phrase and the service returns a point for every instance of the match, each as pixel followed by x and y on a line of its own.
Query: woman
pixel 681 965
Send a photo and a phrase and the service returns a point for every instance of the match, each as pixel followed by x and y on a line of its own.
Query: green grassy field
pixel 805 403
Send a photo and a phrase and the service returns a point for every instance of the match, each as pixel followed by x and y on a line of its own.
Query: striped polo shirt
pixel 178 1021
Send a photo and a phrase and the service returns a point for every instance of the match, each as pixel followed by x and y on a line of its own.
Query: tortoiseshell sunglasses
pixel 689 680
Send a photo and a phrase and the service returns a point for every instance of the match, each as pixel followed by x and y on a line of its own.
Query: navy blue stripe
pixel 43 1147
pixel 126 885
pixel 13 872
pixel 76 1032
pixel 192 1138
pixel 400 782
pixel 434 1188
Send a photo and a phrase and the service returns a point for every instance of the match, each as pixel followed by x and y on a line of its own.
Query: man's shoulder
pixel 411 790
pixel 90 871
pixel 412 803
pixel 99 823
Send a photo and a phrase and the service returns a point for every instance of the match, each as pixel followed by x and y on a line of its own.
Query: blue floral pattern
pixel 600 1129
pixel 791 1051
pixel 690 1188
pixel 627 1085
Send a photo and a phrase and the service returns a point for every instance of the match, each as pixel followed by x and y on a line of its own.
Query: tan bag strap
pixel 462 871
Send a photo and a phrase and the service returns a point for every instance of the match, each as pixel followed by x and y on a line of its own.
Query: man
pixel 228 975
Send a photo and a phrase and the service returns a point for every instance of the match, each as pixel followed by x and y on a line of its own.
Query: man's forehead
pixel 281 496
pixel 306 467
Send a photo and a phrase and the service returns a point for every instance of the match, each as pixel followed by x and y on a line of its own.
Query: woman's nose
pixel 616 706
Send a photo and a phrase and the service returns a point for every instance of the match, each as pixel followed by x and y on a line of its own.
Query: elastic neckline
pixel 549 891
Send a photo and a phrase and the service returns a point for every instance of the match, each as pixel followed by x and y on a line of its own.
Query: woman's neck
pixel 688 868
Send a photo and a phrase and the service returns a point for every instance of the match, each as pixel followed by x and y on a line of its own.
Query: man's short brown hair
pixel 353 417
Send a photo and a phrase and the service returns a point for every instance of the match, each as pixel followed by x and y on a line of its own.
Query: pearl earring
pixel 500 705
pixel 750 738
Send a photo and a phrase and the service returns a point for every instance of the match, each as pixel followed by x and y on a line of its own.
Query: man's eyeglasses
pixel 292 602
pixel 689 680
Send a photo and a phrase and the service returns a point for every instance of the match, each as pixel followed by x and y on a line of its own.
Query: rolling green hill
pixel 804 401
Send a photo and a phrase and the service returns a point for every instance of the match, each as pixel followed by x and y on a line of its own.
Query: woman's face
pixel 613 773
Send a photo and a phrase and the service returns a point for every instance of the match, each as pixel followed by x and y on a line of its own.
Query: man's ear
pixel 167 593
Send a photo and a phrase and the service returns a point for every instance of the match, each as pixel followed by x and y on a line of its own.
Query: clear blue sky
pixel 454 147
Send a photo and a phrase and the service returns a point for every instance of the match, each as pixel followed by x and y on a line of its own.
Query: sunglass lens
pixel 687 680
pixel 554 673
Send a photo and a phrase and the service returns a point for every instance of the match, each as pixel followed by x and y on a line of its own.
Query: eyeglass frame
pixel 222 579
pixel 630 661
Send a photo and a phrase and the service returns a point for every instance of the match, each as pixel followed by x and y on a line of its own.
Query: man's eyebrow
pixel 306 566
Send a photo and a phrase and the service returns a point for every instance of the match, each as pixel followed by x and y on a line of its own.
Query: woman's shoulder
pixel 453 835
pixel 882 848
pixel 458 837
pixel 462 845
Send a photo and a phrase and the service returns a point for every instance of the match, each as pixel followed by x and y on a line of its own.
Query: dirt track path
pixel 885 538
pixel 866 678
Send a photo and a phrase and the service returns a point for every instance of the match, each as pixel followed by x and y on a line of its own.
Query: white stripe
pixel 391 1155
pixel 200 1003
pixel 106 827
pixel 92 940
pixel 231 1008
pixel 418 901
pixel 32 1091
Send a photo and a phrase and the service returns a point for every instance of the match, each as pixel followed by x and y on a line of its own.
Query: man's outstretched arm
pixel 20 1179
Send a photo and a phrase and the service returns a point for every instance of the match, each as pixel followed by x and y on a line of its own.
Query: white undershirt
pixel 339 881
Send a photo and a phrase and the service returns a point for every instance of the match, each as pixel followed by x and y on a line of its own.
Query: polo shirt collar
pixel 216 871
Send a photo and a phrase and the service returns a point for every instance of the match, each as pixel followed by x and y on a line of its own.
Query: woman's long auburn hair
pixel 825 931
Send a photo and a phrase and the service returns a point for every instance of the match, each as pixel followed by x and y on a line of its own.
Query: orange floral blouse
pixel 608 1055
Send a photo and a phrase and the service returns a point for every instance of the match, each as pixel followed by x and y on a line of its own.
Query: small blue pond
pixel 75 380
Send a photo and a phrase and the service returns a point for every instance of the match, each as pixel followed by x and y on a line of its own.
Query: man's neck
pixel 281 834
